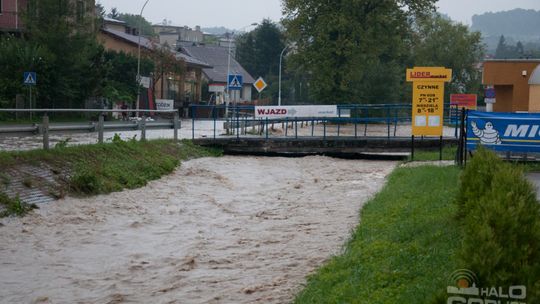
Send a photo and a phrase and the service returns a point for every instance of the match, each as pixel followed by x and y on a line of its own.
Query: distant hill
pixel 516 25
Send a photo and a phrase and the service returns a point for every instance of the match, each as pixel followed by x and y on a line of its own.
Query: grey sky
pixel 240 13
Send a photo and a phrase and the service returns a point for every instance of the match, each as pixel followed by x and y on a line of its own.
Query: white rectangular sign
pixel 145 82
pixel 213 88
pixel 295 111
pixel 164 104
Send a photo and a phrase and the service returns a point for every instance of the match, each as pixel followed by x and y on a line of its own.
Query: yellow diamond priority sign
pixel 260 84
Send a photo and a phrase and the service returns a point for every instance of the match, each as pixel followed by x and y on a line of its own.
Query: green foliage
pixel 259 51
pixel 74 61
pixel 449 153
pixel 134 21
pixel 353 51
pixel 13 207
pixel 62 144
pixel 126 164
pixel 357 52
pixel 476 179
pixel 403 250
pixel 441 42
pixel 16 57
pixel 519 51
pixel 501 225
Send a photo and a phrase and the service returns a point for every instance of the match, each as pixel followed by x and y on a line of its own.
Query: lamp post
pixel 280 62
pixel 228 94
pixel 139 59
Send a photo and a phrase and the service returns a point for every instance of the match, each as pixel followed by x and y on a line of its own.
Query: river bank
pixel 217 230
pixel 38 176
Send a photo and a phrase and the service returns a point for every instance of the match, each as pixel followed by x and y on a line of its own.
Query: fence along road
pixel 45 128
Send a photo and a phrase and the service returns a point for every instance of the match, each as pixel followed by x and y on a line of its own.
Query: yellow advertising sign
pixel 428 100
pixel 429 74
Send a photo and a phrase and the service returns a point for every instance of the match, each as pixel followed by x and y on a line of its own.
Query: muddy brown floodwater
pixel 217 230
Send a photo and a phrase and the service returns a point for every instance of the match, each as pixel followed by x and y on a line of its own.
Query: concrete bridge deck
pixel 371 147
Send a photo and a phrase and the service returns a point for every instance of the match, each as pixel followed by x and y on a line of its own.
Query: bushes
pixel 501 225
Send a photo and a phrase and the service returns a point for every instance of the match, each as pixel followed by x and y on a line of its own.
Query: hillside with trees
pixel 516 26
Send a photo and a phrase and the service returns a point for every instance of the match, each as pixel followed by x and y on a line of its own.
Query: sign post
pixel 428 100
pixel 30 80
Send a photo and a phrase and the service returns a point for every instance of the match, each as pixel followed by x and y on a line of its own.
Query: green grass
pixel 403 250
pixel 106 168
pixel 13 207
pixel 449 153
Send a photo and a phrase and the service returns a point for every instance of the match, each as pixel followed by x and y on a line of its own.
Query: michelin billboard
pixel 504 131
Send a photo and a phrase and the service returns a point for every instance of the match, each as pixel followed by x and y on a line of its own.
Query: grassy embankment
pixel 449 153
pixel 428 222
pixel 103 168
pixel 403 250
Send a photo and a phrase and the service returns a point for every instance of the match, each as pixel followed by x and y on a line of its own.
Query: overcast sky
pixel 237 14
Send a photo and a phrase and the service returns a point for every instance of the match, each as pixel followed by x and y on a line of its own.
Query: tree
pixel 100 10
pixel 114 14
pixel 259 50
pixel 73 66
pixel 134 21
pixel 119 82
pixel 441 42
pixel 502 49
pixel 16 57
pixel 520 49
pixel 353 51
pixel 166 63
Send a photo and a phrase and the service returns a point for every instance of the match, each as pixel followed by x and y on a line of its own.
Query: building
pixel 10 15
pixel 216 76
pixel 181 88
pixel 516 83
pixel 117 25
pixel 172 35
pixel 11 12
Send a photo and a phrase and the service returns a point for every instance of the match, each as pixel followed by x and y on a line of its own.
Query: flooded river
pixel 217 230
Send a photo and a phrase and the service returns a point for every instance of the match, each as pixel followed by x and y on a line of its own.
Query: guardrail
pixel 45 128
pixel 237 119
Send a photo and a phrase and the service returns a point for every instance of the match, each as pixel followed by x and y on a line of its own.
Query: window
pixel 1 6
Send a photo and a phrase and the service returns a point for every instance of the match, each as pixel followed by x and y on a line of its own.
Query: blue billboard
pixel 504 132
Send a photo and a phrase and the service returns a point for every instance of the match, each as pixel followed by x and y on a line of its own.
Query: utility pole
pixel 139 60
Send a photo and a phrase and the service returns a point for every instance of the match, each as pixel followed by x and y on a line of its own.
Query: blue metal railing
pixel 239 118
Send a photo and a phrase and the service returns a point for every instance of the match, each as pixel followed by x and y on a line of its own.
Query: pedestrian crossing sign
pixel 30 78
pixel 236 82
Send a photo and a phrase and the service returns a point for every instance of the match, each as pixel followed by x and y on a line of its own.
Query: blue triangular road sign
pixel 235 82
pixel 30 78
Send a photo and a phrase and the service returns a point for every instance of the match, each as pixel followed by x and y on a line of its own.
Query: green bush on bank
pixel 501 225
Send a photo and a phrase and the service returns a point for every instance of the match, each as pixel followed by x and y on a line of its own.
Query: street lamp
pixel 228 95
pixel 280 62
pixel 139 59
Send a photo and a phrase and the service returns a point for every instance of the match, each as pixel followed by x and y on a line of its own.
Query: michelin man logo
pixel 488 136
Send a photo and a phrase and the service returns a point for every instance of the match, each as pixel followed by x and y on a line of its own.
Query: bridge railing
pixel 377 120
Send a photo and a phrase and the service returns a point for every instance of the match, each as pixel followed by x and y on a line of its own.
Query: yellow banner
pixel 428 108
pixel 429 74
pixel 428 99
